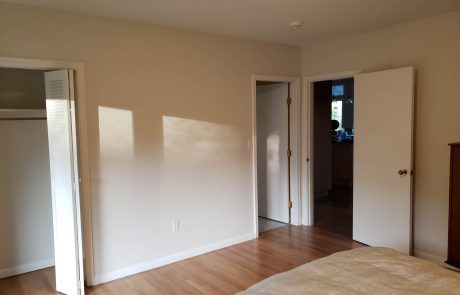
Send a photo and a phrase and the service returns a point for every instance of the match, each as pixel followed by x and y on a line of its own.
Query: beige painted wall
pixel 432 46
pixel 169 118
pixel 22 89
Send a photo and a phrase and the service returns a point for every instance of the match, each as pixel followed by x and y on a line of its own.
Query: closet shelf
pixel 22 114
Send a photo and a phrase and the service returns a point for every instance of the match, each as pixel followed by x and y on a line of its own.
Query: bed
pixel 366 270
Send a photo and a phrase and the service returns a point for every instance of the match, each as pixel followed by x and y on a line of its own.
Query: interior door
pixel 382 195
pixel 65 189
pixel 272 146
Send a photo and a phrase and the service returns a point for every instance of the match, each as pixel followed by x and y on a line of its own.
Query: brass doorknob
pixel 402 172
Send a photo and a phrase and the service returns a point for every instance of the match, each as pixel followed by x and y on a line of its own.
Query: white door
pixel 272 144
pixel 65 188
pixel 382 192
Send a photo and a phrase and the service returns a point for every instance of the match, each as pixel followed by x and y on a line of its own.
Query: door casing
pixel 82 139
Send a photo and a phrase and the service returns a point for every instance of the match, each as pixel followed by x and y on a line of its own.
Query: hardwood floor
pixel 334 212
pixel 224 271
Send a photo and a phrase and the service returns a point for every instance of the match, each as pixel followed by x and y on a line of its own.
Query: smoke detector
pixel 295 25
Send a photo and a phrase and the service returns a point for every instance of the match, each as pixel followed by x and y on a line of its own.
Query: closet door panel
pixel 63 185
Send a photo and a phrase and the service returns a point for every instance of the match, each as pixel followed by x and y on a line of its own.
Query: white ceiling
pixel 261 19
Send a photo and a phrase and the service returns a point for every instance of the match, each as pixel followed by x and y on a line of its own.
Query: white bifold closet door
pixel 64 185
pixel 382 189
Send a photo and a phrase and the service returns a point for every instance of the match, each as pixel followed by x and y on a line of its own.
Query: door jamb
pixel 82 140
pixel 307 152
pixel 295 131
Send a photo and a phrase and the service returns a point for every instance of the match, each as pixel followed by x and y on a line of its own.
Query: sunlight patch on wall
pixel 116 135
pixel 188 142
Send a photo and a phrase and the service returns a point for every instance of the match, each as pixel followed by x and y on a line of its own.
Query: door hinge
pixel 290 204
pixel 288 100
pixel 289 153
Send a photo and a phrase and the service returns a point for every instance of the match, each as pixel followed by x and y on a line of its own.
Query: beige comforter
pixel 367 270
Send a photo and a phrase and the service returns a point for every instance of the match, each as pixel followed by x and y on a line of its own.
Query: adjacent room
pixel 333 155
pixel 229 147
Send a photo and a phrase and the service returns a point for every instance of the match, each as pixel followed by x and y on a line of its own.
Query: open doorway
pixel 381 183
pixel 273 130
pixel 333 137
pixel 26 218
pixel 276 153
pixel 39 189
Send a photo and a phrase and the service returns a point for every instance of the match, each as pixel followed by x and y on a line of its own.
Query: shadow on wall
pixel 116 135
pixel 156 168
pixel 188 143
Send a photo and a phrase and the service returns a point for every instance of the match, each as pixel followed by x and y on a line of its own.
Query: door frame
pixel 82 162
pixel 295 148
pixel 307 152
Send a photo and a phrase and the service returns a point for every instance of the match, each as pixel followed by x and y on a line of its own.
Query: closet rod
pixel 21 119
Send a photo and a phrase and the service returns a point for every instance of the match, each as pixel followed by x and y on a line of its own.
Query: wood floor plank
pixel 225 271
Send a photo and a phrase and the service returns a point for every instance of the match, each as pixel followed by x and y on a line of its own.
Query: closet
pixel 26 220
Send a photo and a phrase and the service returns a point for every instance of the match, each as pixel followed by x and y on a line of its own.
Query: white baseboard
pixel 430 257
pixel 20 269
pixel 131 270
pixel 434 258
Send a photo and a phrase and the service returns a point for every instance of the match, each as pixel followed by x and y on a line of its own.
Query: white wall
pixel 432 46
pixel 26 220
pixel 169 119
pixel 272 143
